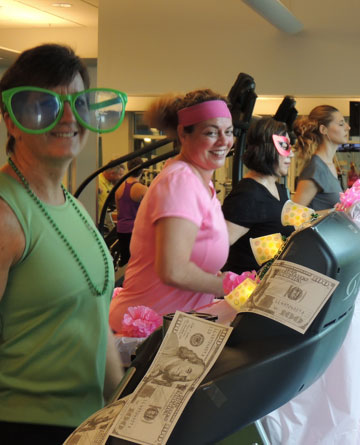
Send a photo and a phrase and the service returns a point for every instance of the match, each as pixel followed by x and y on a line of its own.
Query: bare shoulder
pixel 119 192
pixel 140 186
pixel 12 238
pixel 12 243
pixel 138 191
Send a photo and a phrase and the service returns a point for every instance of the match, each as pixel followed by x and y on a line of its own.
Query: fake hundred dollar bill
pixel 291 294
pixel 95 429
pixel 189 350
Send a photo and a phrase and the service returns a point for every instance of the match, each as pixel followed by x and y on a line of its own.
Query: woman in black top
pixel 253 208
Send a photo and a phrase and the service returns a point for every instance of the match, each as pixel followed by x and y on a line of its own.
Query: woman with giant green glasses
pixel 56 275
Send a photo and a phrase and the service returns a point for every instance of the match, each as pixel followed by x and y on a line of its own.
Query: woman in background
pixel 328 412
pixel 128 197
pixel 106 182
pixel 180 240
pixel 318 137
pixel 253 208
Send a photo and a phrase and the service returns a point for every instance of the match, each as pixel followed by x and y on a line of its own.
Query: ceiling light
pixel 62 5
pixel 147 139
pixel 277 14
pixel 20 14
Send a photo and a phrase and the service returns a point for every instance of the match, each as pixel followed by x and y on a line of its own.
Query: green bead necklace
pixel 93 288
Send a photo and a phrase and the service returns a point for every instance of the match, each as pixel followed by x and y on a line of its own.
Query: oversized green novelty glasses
pixel 37 110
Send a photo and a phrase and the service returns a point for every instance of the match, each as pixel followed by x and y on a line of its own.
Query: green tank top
pixel 53 330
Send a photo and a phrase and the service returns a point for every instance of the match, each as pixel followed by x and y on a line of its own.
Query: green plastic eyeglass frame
pixel 71 98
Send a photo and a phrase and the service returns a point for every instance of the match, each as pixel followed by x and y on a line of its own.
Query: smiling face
pixel 208 144
pixel 337 131
pixel 63 142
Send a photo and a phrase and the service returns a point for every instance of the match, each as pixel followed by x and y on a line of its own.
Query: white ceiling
pixel 40 13
pixel 330 18
pixel 35 14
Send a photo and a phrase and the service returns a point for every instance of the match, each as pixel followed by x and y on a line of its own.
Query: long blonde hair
pixel 307 131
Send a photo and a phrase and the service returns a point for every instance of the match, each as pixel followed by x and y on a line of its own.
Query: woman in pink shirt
pixel 180 240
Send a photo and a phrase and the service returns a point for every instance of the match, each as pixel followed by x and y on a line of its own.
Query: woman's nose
pixel 68 115
pixel 221 138
pixel 224 139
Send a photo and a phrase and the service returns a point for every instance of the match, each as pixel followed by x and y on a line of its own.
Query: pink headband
pixel 202 112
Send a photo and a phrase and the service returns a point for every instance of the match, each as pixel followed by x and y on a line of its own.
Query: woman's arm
pixel 235 231
pixel 305 192
pixel 175 238
pixel 12 243
pixel 114 368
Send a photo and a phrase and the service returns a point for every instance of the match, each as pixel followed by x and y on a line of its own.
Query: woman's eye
pixel 229 133
pixel 81 103
pixel 211 133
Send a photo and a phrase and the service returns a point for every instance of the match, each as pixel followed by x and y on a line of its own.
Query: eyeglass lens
pixel 98 109
pixel 35 110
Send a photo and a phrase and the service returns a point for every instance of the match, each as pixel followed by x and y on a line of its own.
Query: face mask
pixel 282 144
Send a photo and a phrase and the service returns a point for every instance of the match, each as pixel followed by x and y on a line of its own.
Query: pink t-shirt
pixel 176 192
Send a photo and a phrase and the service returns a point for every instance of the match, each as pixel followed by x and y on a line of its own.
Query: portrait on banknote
pixel 178 365
pixel 95 428
pixel 291 294
pixel 189 349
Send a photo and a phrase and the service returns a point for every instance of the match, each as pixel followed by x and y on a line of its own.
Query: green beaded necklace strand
pixel 93 288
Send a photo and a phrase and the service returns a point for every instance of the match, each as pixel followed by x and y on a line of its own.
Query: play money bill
pixel 291 294
pixel 95 430
pixel 188 351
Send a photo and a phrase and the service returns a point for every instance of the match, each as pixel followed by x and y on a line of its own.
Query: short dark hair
pixel 135 163
pixel 45 66
pixel 260 153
